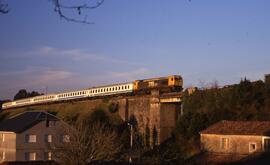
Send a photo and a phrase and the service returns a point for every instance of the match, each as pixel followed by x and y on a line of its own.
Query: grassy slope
pixel 66 111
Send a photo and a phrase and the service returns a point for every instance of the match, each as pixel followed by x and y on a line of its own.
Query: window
pixel 252 147
pixel 30 156
pixel 48 138
pixel 266 144
pixel 2 155
pixel 52 123
pixel 31 138
pixel 2 137
pixel 66 138
pixel 224 143
pixel 48 155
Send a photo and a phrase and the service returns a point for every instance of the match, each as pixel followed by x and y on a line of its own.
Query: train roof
pixel 165 77
pixel 111 85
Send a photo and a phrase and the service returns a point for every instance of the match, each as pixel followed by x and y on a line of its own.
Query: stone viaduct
pixel 155 114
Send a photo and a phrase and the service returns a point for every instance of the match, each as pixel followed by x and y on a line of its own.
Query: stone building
pixel 29 137
pixel 237 137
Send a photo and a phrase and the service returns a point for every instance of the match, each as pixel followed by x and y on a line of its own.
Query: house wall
pixel 239 144
pixel 8 145
pixel 41 146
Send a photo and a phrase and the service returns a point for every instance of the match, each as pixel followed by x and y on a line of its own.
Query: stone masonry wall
pixel 152 117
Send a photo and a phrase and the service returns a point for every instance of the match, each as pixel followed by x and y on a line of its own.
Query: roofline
pixel 40 111
pixel 232 134
pixel 7 132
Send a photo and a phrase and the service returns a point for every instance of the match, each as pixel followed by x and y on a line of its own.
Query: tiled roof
pixel 239 128
pixel 24 121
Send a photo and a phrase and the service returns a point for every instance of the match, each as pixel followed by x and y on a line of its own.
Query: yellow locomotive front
pixel 172 83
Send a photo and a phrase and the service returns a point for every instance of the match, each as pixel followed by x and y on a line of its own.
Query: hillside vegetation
pixel 69 111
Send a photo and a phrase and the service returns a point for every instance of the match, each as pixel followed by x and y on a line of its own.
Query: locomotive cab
pixel 175 81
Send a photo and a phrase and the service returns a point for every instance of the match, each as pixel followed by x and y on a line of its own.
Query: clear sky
pixel 202 40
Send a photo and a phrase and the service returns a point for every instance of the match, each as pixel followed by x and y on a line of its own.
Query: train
pixel 173 83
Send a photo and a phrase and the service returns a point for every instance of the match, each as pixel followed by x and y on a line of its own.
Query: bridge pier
pixel 155 115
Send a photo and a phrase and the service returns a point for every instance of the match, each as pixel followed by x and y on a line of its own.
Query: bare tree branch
pixel 59 8
pixel 88 143
pixel 3 8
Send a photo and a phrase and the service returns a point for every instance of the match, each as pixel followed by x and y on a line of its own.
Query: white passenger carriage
pixel 86 93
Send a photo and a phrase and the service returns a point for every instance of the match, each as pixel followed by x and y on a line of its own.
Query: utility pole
pixel 131 141
pixel 46 90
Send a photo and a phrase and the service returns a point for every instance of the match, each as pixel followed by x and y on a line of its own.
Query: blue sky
pixel 202 40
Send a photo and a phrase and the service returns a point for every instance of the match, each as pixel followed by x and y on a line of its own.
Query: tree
pixel 3 8
pixel 22 94
pixel 88 143
pixel 62 8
